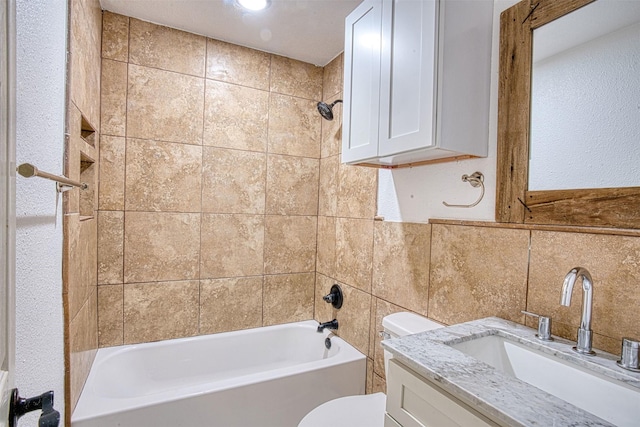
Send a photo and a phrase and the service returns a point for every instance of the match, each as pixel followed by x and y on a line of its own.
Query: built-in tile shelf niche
pixel 87 132
pixel 87 172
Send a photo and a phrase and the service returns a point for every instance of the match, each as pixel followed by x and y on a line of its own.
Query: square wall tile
pixel 613 263
pixel 165 106
pixel 354 252
pixel 290 244
pixel 110 247
pixel 235 116
pixel 112 167
pixel 326 248
pixel 83 79
pixel 81 261
pixel 379 384
pixel 160 311
pixel 294 126
pixel 328 197
pixel 83 345
pixel 163 176
pixel 323 311
pixel 354 326
pixel 369 386
pixel 113 98
pixel 75 291
pixel 233 181
pixel 161 47
pixel 72 150
pixel 331 140
pixel 236 64
pixel 401 257
pixel 110 315
pixel 230 304
pixel 332 79
pixel 232 245
pixel 288 298
pixel 382 309
pixel 161 246
pixel 477 272
pixel 296 78
pixel 292 185
pixel 115 36
pixel 357 191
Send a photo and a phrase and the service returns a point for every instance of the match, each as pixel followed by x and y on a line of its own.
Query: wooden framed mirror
pixel 615 207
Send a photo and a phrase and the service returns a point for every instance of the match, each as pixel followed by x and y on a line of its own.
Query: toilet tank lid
pixel 404 323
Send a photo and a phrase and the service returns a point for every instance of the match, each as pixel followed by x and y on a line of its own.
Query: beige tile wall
pixel 80 206
pixel 273 219
pixel 209 184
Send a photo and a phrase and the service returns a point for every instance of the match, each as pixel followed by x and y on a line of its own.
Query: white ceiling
pixel 307 30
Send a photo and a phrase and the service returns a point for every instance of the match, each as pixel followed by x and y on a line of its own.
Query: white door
pixel 7 203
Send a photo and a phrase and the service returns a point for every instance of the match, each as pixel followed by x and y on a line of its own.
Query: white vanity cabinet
pixel 413 401
pixel 416 81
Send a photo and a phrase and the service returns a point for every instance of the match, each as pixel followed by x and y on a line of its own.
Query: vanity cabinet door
pixel 390 422
pixel 413 401
pixel 363 29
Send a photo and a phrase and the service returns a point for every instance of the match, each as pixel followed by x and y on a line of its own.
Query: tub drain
pixel 327 343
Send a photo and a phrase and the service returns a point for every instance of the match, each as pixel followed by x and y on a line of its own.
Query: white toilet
pixel 367 410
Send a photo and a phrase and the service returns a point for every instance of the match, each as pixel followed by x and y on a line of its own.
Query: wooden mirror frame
pixel 606 207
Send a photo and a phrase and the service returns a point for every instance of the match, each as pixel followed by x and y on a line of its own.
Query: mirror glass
pixel 585 99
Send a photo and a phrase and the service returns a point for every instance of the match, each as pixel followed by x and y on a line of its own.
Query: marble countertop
pixel 501 397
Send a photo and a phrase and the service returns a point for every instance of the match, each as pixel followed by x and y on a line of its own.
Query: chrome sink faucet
pixel 585 338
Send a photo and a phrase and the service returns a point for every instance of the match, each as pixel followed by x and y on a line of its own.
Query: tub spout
pixel 333 324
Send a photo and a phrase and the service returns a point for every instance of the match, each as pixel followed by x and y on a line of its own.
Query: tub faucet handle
pixel 544 326
pixel 335 296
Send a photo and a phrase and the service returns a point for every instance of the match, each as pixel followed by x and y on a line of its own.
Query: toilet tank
pixel 402 324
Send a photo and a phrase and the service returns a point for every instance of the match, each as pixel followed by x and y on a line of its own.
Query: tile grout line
pixel 430 266
pixel 204 118
pixel 266 182
pixel 124 184
pixel 315 280
pixel 526 295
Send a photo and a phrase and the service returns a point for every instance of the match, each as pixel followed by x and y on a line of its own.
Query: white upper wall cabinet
pixel 416 81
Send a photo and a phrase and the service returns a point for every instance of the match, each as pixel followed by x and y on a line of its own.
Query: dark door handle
pixel 20 406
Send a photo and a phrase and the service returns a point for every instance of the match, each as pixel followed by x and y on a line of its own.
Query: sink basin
pixel 607 398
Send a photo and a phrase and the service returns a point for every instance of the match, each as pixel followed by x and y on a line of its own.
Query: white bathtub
pixel 263 377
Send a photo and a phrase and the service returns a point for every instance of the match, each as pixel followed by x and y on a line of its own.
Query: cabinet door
pixel 361 82
pixel 416 402
pixel 408 75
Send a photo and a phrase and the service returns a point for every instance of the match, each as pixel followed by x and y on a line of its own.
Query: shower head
pixel 325 109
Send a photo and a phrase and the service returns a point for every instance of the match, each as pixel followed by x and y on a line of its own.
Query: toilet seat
pixel 351 411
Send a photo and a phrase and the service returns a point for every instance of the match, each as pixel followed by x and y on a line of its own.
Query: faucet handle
pixel 544 326
pixel 630 355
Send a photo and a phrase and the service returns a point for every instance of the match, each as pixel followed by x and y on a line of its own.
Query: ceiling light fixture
pixel 254 5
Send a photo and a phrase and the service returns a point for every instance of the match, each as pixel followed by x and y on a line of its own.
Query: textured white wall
pixel 40 99
pixel 585 115
pixel 415 195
